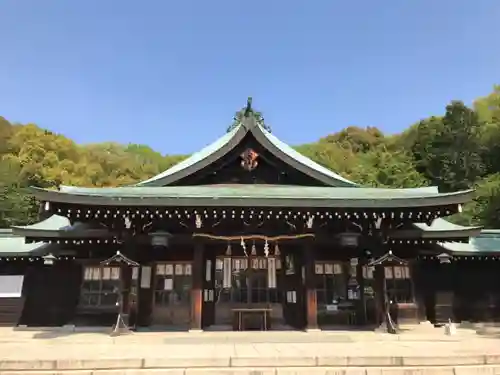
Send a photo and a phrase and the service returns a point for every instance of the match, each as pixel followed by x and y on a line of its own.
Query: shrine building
pixel 247 234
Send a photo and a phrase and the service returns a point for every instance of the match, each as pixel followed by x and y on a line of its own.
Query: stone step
pixel 436 370
pixel 225 362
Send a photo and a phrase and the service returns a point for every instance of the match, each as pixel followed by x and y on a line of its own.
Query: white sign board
pixel 11 286
pixel 332 308
pixel 146 277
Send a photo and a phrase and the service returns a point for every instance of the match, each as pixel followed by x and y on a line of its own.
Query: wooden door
pixel 52 294
pixel 294 303
pixel 246 286
pixel 172 294
pixel 209 296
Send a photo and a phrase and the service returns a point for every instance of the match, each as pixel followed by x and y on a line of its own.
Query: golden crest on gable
pixel 249 159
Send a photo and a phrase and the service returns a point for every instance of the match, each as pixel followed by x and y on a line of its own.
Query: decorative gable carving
pixel 249 159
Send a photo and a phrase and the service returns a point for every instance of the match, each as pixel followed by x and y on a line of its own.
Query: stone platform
pixel 415 351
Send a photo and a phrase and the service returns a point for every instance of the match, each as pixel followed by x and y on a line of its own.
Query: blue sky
pixel 171 73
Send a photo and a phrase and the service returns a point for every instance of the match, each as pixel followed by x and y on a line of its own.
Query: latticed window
pixel 100 286
pixel 399 284
pixel 369 281
pixel 245 280
pixel 173 283
pixel 331 283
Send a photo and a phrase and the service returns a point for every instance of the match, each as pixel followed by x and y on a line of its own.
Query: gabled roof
pixel 387 258
pixel 229 141
pixel 255 195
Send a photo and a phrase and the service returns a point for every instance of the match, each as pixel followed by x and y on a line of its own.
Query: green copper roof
pixel 487 242
pixel 6 232
pixel 441 225
pixel 13 240
pixel 193 160
pixel 229 141
pixel 59 227
pixel 440 229
pixel 490 232
pixel 55 222
pixel 254 195
pixel 289 151
pixel 12 245
pixel 443 228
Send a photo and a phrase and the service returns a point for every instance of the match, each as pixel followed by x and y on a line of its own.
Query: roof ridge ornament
pixel 248 109
pixel 249 116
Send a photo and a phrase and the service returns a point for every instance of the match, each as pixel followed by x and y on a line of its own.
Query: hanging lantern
pixel 444 258
pixel 277 250
pixel 254 250
pixel 228 249
pixel 48 259
pixel 160 239
pixel 348 239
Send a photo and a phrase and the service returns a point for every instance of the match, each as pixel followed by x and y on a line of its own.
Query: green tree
pixel 488 107
pixel 16 205
pixel 357 139
pixel 381 168
pixel 485 208
pixel 330 155
pixel 488 111
pixel 447 150
pixel 458 147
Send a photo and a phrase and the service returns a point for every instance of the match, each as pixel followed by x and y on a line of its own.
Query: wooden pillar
pixel 379 289
pixel 284 285
pixel 126 279
pixel 208 273
pixel 197 289
pixel 418 288
pixel 310 288
pixel 361 309
pixel 445 294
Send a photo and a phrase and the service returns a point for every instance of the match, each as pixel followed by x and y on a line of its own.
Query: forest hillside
pixel 459 149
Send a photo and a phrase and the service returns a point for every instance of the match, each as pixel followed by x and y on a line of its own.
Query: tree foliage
pixel 459 149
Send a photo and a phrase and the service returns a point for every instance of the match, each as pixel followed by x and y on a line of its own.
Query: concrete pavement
pixel 417 351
